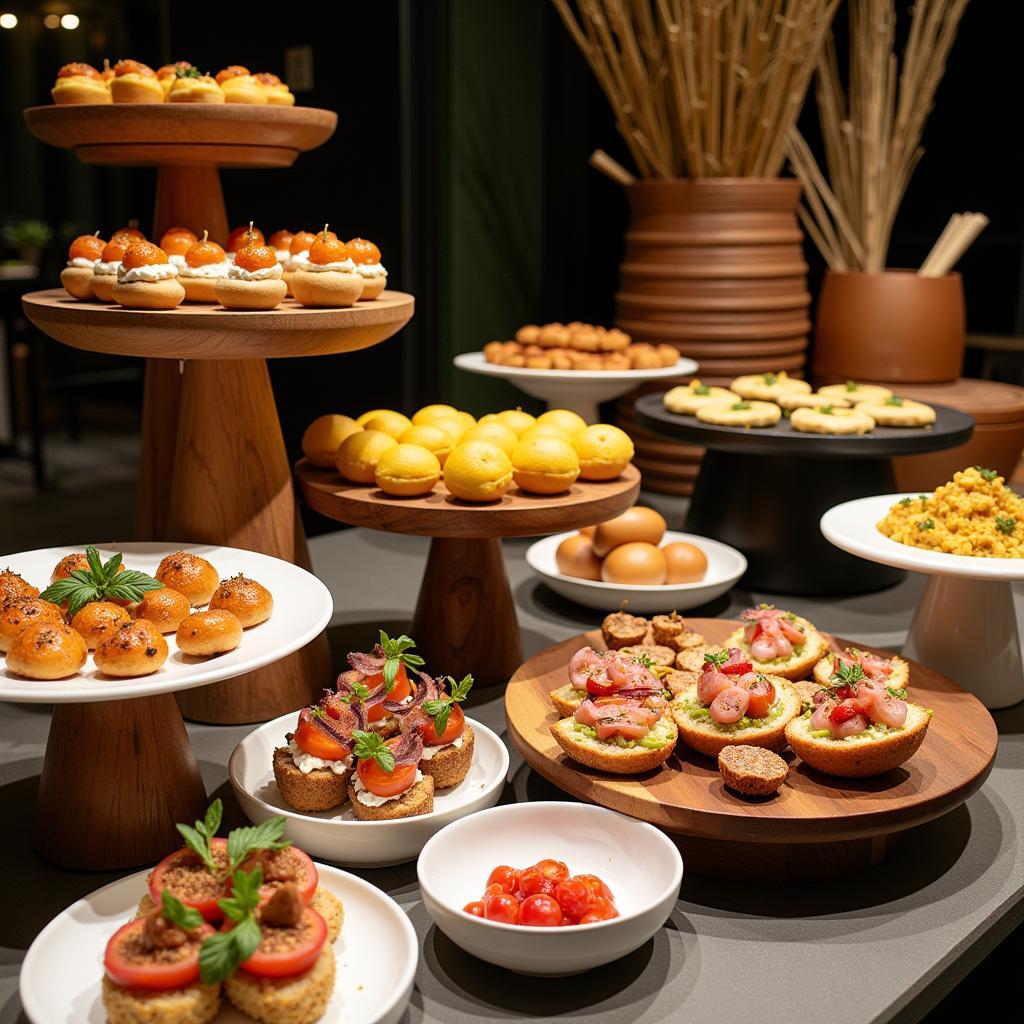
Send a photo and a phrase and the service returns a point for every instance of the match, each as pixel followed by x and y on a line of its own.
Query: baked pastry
pixel 80 83
pixel 240 86
pixel 12 585
pixel 104 270
pixel 176 242
pixel 777 641
pixel 896 412
pixel 766 387
pixel 686 399
pixel 203 634
pixel 280 241
pixel 147 279
pixel 98 620
pixel 828 419
pixel 69 564
pixel 653 655
pixel 853 392
pixel 366 257
pixel 83 254
pixel 205 263
pixel 136 649
pixel 254 279
pixel 167 74
pixel 231 71
pixel 165 608
pixel 621 629
pixel 447 739
pixel 277 92
pixel 328 278
pixel 18 612
pixel 790 400
pixel 298 255
pixel 672 631
pixel 752 771
pixel 193 87
pixel 135 82
pixel 743 413
pixel 47 651
pixel 250 602
pixel 190 575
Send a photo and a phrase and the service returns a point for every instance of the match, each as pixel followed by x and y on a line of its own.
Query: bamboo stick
pixel 610 168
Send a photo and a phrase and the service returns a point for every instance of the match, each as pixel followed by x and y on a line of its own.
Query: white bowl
pixel 368 988
pixel 640 865
pixel 335 834
pixel 725 566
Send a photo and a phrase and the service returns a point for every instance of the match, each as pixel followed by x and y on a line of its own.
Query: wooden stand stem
pixel 116 777
pixel 190 196
pixel 465 617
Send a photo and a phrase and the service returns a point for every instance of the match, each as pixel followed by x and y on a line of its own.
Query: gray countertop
pixel 883 945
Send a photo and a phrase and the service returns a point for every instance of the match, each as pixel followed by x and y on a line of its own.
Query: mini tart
pixel 77 282
pixel 327 288
pixel 798 665
pixel 743 413
pixel 46 650
pixel 190 89
pixel 451 764
pixel 418 799
pixel 243 89
pixel 102 286
pixel 319 790
pixel 838 421
pixel 299 999
pixel 80 89
pixel 194 1004
pixel 898 678
pixel 886 413
pixel 167 294
pixel 752 771
pixel 854 393
pixel 856 757
pixel 687 399
pixel 790 400
pixel 232 294
pixel 766 387
pixel 609 757
pixel 136 88
pixel 706 736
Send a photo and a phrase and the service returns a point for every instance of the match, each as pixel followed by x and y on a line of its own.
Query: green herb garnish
pixel 893 400
pixel 702 389
pixel 852 385
pixel 174 911
pixel 1006 524
pixel 926 524
pixel 100 582
pixel 359 693
pixel 740 406
pixel 371 745
pixel 828 409
pixel 769 378
pixel 221 954
pixel 906 501
pixel 899 694
pixel 395 654
pixel 848 675
pixel 716 658
pixel 643 659
pixel 187 73
pixel 242 842
pixel 199 839
pixel 986 474
pixel 440 709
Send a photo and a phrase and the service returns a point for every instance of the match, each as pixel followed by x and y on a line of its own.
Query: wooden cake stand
pixel 214 466
pixel 763 490
pixel 465 619
pixel 817 826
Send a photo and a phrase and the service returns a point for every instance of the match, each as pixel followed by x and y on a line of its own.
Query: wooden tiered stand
pixel 214 466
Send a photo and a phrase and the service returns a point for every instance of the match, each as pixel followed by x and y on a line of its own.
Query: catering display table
pixel 914 926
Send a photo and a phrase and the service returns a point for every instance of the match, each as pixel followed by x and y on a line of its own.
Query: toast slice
pixel 898 679
pixel 418 799
pixel 798 665
pixel 450 764
pixel 567 699
pixel 610 757
pixel 318 790
pixel 856 757
pixel 706 736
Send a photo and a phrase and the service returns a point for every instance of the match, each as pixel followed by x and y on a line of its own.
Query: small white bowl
pixel 640 865
pixel 725 566
pixel 335 835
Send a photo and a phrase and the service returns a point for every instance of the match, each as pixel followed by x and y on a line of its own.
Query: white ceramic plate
pixel 725 566
pixel 640 865
pixel 335 834
pixel 61 975
pixel 852 527
pixel 302 609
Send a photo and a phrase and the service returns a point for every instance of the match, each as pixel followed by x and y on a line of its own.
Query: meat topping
pixel 283 909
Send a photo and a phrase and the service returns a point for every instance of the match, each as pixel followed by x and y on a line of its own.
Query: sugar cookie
pixel 830 420
pixel 766 387
pixel 688 398
pixel 898 412
pixel 740 414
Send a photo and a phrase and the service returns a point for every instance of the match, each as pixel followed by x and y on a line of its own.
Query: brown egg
pixel 575 557
pixel 686 562
pixel 635 562
pixel 635 524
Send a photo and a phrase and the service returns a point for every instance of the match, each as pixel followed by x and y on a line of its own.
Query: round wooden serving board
pixel 816 826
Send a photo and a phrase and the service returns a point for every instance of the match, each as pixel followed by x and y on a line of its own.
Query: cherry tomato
pixel 453 730
pixel 506 877
pixel 533 882
pixel 595 885
pixel 554 870
pixel 317 743
pixel 126 971
pixel 288 963
pixel 383 783
pixel 476 908
pixel 598 689
pixel 495 889
pixel 502 908
pixel 399 691
pixel 160 879
pixel 600 910
pixel 574 896
pixel 843 713
pixel 540 912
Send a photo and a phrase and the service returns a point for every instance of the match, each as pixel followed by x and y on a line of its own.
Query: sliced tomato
pixel 317 743
pixel 306 879
pixel 382 783
pixel 762 696
pixel 159 881
pixel 293 961
pixel 597 688
pixel 399 691
pixel 124 971
pixel 453 730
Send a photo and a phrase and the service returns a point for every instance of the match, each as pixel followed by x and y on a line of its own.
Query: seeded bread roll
pixel 12 585
pixel 165 608
pixel 136 649
pixel 189 574
pixel 752 771
pixel 19 612
pixel 607 757
pixel 99 620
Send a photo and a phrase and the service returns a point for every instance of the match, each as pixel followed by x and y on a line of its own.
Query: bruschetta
pixel 778 642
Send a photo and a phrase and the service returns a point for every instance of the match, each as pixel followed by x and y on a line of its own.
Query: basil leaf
pixel 244 841
pixel 199 845
pixel 218 957
pixel 178 914
pixel 92 556
pixel 110 570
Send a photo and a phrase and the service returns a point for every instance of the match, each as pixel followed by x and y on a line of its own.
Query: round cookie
pixel 740 414
pixel 688 398
pixel 855 393
pixel 766 387
pixel 829 420
pixel 800 400
pixel 898 412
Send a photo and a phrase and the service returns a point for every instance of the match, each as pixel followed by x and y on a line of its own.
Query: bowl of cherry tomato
pixel 549 888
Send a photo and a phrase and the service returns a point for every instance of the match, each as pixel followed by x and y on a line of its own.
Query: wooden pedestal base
pixel 465 617
pixel 116 777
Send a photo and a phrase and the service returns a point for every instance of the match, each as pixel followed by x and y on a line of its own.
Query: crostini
pixel 731 704
pixel 387 666
pixel 893 671
pixel 447 740
pixel 593 674
pixel 388 782
pixel 778 642
pixel 314 769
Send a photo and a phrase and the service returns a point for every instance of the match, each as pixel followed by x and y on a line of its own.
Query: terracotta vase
pixel 715 267
pixel 895 327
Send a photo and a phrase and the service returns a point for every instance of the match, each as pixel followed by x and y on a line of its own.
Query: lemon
pixel 495 432
pixel 434 439
pixel 407 470
pixel 569 421
pixel 604 451
pixel 324 435
pixel 357 457
pixel 478 471
pixel 454 426
pixel 517 420
pixel 430 412
pixel 367 416
pixel 545 465
pixel 544 430
pixel 393 423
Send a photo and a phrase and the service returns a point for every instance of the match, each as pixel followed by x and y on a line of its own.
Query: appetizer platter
pixel 782 542
pixel 682 724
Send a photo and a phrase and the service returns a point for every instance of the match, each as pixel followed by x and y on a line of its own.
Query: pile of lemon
pixel 478 459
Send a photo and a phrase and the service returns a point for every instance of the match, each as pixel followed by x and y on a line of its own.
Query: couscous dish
pixel 974 514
